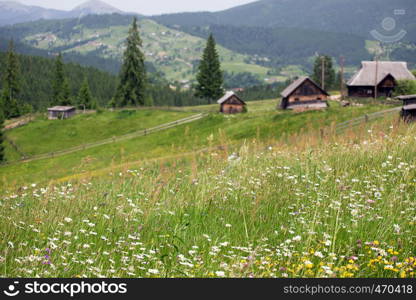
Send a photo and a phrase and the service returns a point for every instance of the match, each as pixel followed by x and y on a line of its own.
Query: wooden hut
pixel 61 112
pixel 304 94
pixel 409 107
pixel 383 74
pixel 231 104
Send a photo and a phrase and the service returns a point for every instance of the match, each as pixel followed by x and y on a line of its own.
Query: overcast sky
pixel 147 7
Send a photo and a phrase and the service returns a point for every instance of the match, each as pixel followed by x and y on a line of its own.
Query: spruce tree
pixel 132 87
pixel 65 99
pixel 329 71
pixel 85 100
pixel 2 156
pixel 11 85
pixel 210 77
pixel 59 82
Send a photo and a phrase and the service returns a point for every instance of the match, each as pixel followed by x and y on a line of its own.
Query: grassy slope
pixel 338 207
pixel 44 136
pixel 172 51
pixel 214 130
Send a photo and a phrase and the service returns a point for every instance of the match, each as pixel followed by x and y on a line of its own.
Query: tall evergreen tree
pixel 59 82
pixel 210 77
pixel 85 100
pixel 11 85
pixel 65 99
pixel 2 156
pixel 329 71
pixel 132 87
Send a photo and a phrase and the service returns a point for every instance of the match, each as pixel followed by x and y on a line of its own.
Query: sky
pixel 146 7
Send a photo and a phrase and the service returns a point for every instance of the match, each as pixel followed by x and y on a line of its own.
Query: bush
pixel 405 87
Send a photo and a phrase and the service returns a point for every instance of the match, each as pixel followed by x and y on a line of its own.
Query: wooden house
pixel 304 94
pixel 383 74
pixel 61 112
pixel 231 104
pixel 409 107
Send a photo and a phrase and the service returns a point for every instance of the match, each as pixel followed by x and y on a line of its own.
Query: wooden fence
pixel 341 127
pixel 111 140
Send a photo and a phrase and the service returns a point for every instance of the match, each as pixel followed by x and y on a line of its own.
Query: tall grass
pixel 306 206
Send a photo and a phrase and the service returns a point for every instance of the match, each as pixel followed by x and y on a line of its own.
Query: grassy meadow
pixel 262 123
pixel 304 206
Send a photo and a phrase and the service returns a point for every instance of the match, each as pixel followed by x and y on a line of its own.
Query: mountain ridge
pixel 13 12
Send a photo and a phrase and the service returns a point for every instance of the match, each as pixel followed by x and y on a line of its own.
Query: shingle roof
pixel 227 96
pixel 61 108
pixel 294 85
pixel 406 97
pixel 366 76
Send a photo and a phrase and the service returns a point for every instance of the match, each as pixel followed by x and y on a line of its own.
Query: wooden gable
pixel 388 81
pixel 308 88
pixel 234 100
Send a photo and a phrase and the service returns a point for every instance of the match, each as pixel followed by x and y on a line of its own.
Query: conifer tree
pixel 65 99
pixel 132 86
pixel 85 100
pixel 2 156
pixel 59 84
pixel 329 71
pixel 11 85
pixel 210 77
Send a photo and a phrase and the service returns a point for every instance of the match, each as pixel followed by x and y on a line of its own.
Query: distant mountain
pixel 13 12
pixel 358 17
pixel 93 7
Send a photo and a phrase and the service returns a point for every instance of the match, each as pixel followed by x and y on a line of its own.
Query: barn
pixel 383 74
pixel 304 93
pixel 61 112
pixel 232 104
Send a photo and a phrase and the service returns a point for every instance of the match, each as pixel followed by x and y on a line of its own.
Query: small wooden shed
pixel 304 94
pixel 231 104
pixel 409 107
pixel 61 112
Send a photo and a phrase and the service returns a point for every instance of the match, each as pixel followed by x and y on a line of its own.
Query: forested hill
pixel 37 74
pixel 357 17
pixel 286 45
pixel 92 38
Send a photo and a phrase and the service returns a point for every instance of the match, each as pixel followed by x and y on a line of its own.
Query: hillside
pixel 37 74
pixel 171 52
pixel 262 122
pixel 358 17
pixel 14 12
pixel 286 46
pixel 303 206
pixel 293 27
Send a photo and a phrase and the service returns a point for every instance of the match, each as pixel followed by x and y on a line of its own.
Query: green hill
pixel 301 206
pixel 37 74
pixel 263 122
pixel 172 52
pixel 358 17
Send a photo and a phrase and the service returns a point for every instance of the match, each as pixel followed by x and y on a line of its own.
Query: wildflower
pixel 297 238
pixel 220 274
pixel 68 220
pixel 153 271
pixel 228 225
pixel 308 264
